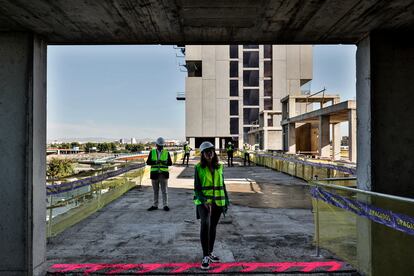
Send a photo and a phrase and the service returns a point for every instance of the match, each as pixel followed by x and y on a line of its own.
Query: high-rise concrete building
pixel 233 92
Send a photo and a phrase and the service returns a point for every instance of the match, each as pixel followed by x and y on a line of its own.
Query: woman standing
pixel 210 198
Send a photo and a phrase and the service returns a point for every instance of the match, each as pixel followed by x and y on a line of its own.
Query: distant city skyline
pixel 114 92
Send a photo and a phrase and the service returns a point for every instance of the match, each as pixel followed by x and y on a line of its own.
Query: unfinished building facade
pixel 233 92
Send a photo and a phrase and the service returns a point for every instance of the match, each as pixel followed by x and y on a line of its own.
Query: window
pixel 268 69
pixel 234 88
pixel 234 51
pixel 267 51
pixel 250 116
pixel 245 134
pixel 251 77
pixel 251 46
pixel 251 59
pixel 234 107
pixel 251 96
pixel 267 86
pixel 267 104
pixel 194 68
pixel 234 69
pixel 234 125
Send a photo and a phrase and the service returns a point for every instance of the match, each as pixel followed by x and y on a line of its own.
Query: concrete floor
pixel 269 220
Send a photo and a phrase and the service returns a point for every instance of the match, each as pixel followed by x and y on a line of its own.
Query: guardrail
pixel 342 214
pixel 301 167
pixel 71 202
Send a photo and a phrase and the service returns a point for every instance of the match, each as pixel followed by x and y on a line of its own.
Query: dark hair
pixel 214 161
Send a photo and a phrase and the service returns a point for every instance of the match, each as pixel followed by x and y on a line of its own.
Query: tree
pixel 112 147
pixel 58 168
pixel 74 144
pixel 103 147
pixel 64 146
pixel 134 148
pixel 88 146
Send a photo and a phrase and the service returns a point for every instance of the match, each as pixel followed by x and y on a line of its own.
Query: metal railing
pixel 340 210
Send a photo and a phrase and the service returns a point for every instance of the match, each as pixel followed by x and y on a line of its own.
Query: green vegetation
pixel 134 147
pixel 59 168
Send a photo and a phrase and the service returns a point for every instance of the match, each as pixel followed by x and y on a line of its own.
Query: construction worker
pixel 246 153
pixel 230 151
pixel 187 150
pixel 159 159
pixel 210 198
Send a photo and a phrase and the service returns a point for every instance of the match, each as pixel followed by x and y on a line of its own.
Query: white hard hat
pixel 160 141
pixel 206 145
pixel 186 142
pixel 229 143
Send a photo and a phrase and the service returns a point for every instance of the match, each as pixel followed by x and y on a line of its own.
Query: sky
pixel 118 92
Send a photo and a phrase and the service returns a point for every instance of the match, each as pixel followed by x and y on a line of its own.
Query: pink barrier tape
pixel 174 268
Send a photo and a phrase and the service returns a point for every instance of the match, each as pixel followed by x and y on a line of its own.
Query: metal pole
pixel 49 230
pixel 317 228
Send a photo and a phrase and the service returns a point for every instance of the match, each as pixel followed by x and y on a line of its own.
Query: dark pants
pixel 188 157
pixel 246 156
pixel 230 158
pixel 208 236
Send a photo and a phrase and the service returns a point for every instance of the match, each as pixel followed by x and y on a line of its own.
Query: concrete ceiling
pixel 205 21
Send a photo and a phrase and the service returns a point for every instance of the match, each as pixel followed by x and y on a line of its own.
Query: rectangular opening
pixel 267 68
pixel 250 116
pixel 251 96
pixel 234 125
pixel 234 51
pixel 267 51
pixel 194 68
pixel 251 59
pixel 234 69
pixel 234 88
pixel 251 78
pixel 267 104
pixel 267 86
pixel 234 107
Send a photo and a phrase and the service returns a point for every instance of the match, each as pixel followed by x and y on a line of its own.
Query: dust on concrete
pixel 270 220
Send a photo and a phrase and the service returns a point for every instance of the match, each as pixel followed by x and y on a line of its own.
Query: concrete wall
pixel 275 140
pixel 193 105
pixel 207 97
pixel 23 153
pixel 385 66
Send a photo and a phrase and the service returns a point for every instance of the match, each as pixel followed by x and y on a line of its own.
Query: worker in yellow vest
pixel 230 151
pixel 187 150
pixel 210 198
pixel 246 154
pixel 159 159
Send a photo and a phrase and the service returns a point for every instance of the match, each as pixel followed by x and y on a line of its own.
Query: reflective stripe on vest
pixel 209 186
pixel 163 158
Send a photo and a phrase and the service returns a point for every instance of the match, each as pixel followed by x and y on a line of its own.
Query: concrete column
pixel 324 145
pixel 292 107
pixel 291 138
pixel 23 154
pixel 265 139
pixel 192 142
pixel 336 141
pixel 385 66
pixel 217 143
pixel 352 135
